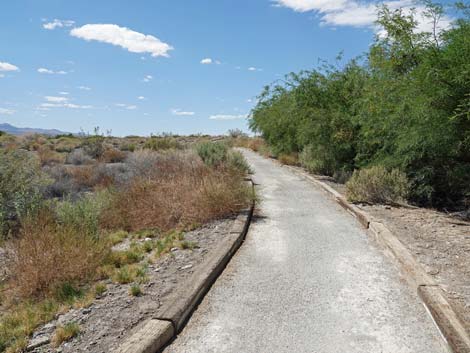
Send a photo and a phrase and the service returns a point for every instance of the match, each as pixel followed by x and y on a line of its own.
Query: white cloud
pixel 8 67
pixel 64 93
pixel 56 99
pixel 180 112
pixel 84 88
pixel 126 38
pixel 43 70
pixel 227 117
pixel 206 61
pixel 148 78
pixel 253 69
pixel 58 24
pixel 209 61
pixel 126 106
pixel 5 111
pixel 359 13
pixel 141 98
pixel 47 106
pixel 2 75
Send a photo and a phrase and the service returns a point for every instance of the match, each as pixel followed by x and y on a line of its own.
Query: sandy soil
pixel 105 323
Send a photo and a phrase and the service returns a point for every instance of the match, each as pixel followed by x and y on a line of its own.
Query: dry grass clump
pixel 289 159
pixel 377 185
pixel 182 191
pixel 65 333
pixel 48 254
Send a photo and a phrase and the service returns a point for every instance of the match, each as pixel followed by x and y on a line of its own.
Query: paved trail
pixel 307 279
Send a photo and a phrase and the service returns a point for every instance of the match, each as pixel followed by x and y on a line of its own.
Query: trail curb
pixel 430 293
pixel 154 334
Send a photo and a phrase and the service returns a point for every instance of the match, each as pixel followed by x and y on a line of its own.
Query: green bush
pixel 212 153
pixel 377 185
pixel 83 214
pixel 236 161
pixel 317 160
pixel 161 143
pixel 22 187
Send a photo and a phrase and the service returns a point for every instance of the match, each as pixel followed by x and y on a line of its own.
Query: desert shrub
pixel 66 143
pixel 143 162
pixel 32 142
pixel 212 153
pixel 22 187
pixel 377 185
pixel 48 254
pixel 9 142
pixel 236 161
pixel 112 155
pixel 62 182
pixel 127 147
pixel 92 176
pixel 94 146
pixel 83 214
pixel 237 134
pixel 289 159
pixel 47 156
pixel 183 191
pixel 160 143
pixel 342 176
pixel 256 144
pixel 78 157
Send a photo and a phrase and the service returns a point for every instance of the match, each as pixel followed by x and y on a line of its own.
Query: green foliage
pixel 135 290
pixel 406 106
pixel 236 161
pixel 218 154
pixel 212 153
pixel 83 214
pixel 161 143
pixel 22 186
pixel 377 185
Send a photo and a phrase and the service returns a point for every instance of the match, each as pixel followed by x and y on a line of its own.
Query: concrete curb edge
pixel 152 335
pixel 430 293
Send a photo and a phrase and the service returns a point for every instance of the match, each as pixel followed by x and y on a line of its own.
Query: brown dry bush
pixel 183 191
pixel 289 159
pixel 91 176
pixel 112 155
pixel 47 156
pixel 47 255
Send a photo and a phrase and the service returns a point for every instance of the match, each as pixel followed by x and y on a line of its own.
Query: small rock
pixel 186 267
pixel 86 311
pixel 174 249
pixel 37 342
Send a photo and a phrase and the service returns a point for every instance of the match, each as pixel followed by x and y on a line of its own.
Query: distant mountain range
pixel 13 130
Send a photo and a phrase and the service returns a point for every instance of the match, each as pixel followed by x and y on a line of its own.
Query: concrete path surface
pixel 307 279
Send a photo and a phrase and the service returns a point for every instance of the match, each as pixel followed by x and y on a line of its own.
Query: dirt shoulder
pixel 440 242
pixel 105 323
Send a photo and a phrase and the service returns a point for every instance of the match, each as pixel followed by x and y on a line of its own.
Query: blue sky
pixel 151 66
